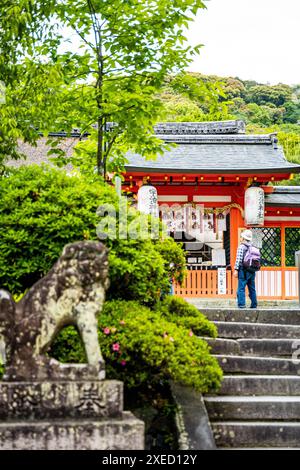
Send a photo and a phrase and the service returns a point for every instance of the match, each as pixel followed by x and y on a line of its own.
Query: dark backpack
pixel 252 259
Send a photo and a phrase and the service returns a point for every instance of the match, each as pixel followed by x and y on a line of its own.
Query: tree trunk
pixel 100 167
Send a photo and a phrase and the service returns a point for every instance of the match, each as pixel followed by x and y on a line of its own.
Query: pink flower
pixel 191 333
pixel 116 347
pixel 123 363
pixel 106 331
pixel 165 335
pixel 122 322
pixel 171 339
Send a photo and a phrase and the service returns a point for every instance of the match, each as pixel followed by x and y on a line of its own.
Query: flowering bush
pixel 140 345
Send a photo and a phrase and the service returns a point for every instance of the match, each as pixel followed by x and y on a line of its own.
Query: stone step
pixel 269 347
pixel 260 385
pixel 256 434
pixel 230 303
pixel 258 365
pixel 223 345
pixel 265 408
pixel 255 347
pixel 124 432
pixel 256 330
pixel 226 303
pixel 278 316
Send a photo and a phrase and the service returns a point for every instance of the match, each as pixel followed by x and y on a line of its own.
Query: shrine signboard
pixel 221 281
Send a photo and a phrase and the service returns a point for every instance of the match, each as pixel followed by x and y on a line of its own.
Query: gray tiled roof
pixel 284 196
pixel 210 127
pixel 39 154
pixel 217 154
pixel 195 128
pixel 215 147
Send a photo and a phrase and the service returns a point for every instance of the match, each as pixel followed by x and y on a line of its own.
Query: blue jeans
pixel 246 279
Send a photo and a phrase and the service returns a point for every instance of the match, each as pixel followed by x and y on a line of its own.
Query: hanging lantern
pixel 254 206
pixel 147 200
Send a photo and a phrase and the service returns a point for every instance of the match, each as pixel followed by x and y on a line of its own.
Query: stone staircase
pixel 258 405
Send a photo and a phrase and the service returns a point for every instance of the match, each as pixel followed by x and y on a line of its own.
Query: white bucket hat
pixel 247 235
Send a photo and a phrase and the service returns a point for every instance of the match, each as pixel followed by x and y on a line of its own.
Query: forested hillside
pixel 264 108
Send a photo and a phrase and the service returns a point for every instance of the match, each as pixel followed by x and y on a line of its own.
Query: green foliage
pixel 288 137
pixel 262 115
pixel 154 404
pixel 32 97
pixel 292 112
pixel 140 346
pixel 68 347
pixel 196 97
pixel 233 87
pixel 290 142
pixel 140 268
pixel 190 97
pixel 277 95
pixel 126 49
pixel 174 257
pixel 267 105
pixel 184 314
pixel 43 209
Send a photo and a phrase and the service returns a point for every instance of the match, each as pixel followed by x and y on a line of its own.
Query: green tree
pixel 32 96
pixel 110 73
pixel 292 112
pixel 194 97
pixel 262 115
pixel 231 87
pixel 264 94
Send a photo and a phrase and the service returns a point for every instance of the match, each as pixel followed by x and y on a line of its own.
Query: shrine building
pixel 234 177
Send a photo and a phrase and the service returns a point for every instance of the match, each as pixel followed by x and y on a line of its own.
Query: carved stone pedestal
pixel 70 415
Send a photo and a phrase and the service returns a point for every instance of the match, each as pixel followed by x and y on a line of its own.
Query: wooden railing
pixel 271 283
pixel 200 283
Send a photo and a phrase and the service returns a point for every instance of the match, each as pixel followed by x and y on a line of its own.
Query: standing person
pixel 245 277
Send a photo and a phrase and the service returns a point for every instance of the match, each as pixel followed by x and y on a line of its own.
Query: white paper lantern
pixel 147 200
pixel 254 206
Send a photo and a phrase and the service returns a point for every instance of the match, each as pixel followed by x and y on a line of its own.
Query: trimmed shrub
pixel 174 258
pixel 42 209
pixel 184 314
pixel 141 346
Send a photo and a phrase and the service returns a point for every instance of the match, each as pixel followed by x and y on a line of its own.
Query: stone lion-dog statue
pixel 72 293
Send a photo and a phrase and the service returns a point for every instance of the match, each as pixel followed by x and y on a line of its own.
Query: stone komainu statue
pixel 72 293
